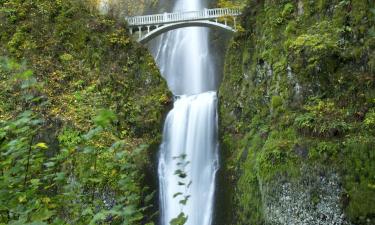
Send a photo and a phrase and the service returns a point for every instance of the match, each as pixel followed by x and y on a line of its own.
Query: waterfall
pixel 190 130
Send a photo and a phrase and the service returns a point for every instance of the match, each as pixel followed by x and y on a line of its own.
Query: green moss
pixel 369 121
pixel 276 102
pixel 248 196
pixel 83 63
pixel 359 177
pixel 302 99
pixel 323 118
pixel 287 10
pixel 277 157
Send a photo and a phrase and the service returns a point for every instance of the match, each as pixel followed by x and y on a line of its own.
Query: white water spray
pixel 191 127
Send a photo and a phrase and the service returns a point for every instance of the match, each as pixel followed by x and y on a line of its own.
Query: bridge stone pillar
pixel 140 32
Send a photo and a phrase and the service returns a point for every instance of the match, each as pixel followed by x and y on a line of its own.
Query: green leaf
pixel 105 117
pixel 180 173
pixel 92 133
pixel 95 180
pixel 189 184
pixel 99 216
pixel 2 134
pixel 182 156
pixel 149 197
pixel 25 75
pixel 59 176
pixel 88 150
pixel 184 201
pixel 129 210
pixel 179 220
pixel 21 221
pixel 42 214
pixel 49 164
pixel 140 148
pixel 35 182
pixel 87 212
pixel 37 223
pixel 118 145
pixel 177 194
pixel 3 207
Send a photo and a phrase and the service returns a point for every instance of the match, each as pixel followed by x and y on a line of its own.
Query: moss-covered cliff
pixel 76 87
pixel 297 115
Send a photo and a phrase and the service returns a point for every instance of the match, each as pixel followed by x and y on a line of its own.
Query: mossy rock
pixel 296 98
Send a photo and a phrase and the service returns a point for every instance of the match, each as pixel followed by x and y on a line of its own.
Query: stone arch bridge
pixel 150 26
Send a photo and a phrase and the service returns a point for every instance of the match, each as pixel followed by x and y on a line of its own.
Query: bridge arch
pixel 160 23
pixel 173 26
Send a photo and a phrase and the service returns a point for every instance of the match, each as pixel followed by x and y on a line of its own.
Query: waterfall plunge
pixel 191 127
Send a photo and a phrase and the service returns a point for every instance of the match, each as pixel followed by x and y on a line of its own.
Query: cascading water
pixel 191 127
pixel 190 130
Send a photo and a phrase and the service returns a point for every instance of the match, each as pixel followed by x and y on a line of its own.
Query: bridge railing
pixel 159 19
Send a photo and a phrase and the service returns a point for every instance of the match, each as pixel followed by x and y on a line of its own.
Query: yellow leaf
pixel 46 200
pixel 22 198
pixel 41 145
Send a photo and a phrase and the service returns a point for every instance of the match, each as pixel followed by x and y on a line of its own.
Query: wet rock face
pixel 313 200
pixel 123 8
pixel 296 91
pixel 301 151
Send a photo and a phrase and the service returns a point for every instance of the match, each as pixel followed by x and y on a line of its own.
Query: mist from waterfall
pixel 191 127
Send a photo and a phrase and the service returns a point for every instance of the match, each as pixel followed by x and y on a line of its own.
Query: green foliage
pixel 359 179
pixel 312 53
pixel 86 61
pixel 76 121
pixel 288 10
pixel 104 118
pixel 325 150
pixel 323 118
pixel 179 220
pixel 248 196
pixel 87 181
pixel 276 102
pixel 66 57
pixel 22 173
pixel 370 119
pixel 38 188
pixel 276 156
pixel 297 93
pixel 185 183
pixel 231 4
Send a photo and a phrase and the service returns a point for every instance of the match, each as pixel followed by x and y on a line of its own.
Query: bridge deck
pixel 166 18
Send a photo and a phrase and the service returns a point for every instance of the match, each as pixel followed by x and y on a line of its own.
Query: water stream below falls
pixel 189 153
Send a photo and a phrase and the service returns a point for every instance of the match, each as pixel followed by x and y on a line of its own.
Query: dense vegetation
pixel 81 107
pixel 297 114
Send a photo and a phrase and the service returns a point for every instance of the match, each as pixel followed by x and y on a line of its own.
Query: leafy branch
pixel 184 182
